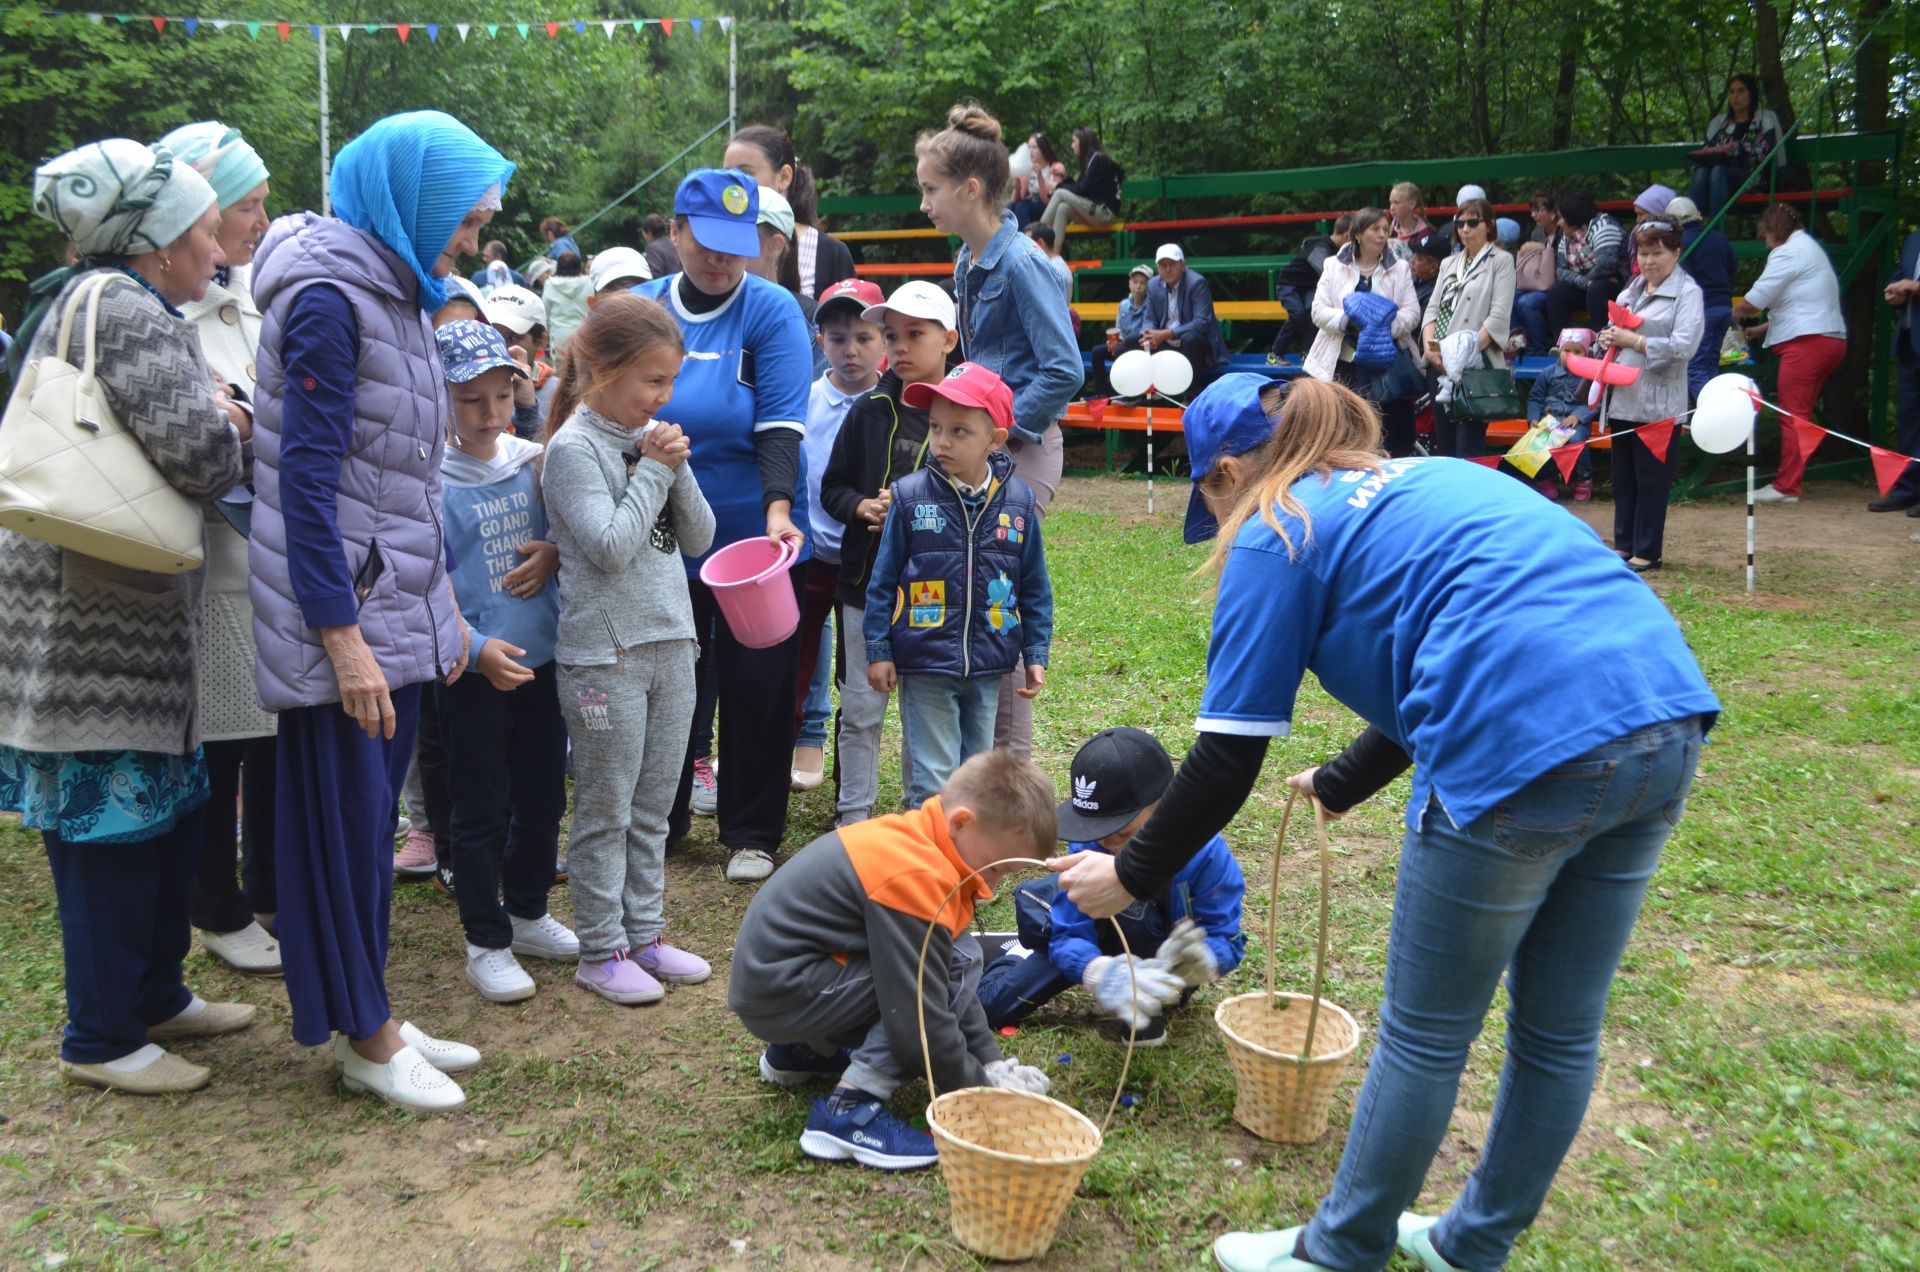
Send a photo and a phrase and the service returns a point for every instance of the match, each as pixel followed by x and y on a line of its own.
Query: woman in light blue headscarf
pixel 353 613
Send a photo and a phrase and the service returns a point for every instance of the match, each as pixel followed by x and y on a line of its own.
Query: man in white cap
pixel 521 317
pixel 1180 315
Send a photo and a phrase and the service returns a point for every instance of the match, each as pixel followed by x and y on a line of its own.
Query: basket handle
pixel 1273 905
pixel 920 983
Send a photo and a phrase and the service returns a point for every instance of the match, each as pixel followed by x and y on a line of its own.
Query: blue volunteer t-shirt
pixel 747 369
pixel 1445 604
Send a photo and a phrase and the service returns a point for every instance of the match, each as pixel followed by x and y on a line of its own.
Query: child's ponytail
pixel 565 397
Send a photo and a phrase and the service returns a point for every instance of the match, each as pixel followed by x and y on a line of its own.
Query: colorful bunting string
pixel 1887 464
pixel 161 22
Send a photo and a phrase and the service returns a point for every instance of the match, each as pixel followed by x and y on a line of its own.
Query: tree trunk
pixel 1770 32
pixel 1571 34
pixel 1846 398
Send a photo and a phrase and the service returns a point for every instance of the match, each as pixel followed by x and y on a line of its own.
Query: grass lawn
pixel 1758 1105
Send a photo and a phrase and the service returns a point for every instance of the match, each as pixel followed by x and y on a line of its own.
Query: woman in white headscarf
pixel 237 735
pixel 99 727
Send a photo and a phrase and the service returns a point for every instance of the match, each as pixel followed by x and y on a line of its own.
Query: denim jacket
pixel 1013 322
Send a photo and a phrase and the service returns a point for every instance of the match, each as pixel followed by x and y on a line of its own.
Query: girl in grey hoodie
pixel 623 507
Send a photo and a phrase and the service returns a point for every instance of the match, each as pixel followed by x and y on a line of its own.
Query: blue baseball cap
pixel 722 207
pixel 1225 419
pixel 470 349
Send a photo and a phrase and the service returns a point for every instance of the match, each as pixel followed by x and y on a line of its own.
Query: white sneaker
pixel 448 1057
pixel 498 975
pixel 545 937
pixel 250 950
pixel 749 865
pixel 407 1079
pixel 1768 495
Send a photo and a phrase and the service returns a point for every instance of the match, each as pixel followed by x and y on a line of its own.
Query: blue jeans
pixel 1705 363
pixel 1544 888
pixel 818 708
pixel 1530 315
pixel 945 720
pixel 1714 184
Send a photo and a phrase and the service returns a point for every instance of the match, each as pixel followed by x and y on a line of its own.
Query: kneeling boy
pixel 825 968
pixel 1192 934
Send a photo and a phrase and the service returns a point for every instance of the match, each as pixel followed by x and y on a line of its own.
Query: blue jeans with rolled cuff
pixel 1543 889
pixel 1013 988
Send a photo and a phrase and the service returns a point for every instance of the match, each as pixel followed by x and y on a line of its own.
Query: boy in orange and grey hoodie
pixel 825 968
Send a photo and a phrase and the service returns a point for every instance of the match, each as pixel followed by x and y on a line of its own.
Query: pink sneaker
pixel 619 980
pixel 671 964
pixel 1583 492
pixel 1548 487
pixel 415 858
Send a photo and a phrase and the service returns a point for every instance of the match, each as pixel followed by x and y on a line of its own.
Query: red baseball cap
pixel 855 291
pixel 968 384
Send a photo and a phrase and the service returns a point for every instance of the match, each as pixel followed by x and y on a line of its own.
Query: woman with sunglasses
pixel 1474 292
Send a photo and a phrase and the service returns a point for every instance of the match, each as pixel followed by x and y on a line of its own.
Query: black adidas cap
pixel 1115 775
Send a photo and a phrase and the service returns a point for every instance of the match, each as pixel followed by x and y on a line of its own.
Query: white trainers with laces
pixel 498 975
pixel 545 937
pixel 749 865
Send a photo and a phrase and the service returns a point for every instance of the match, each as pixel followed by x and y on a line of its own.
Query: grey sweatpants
pixel 1040 467
pixel 629 724
pixel 863 711
pixel 847 1014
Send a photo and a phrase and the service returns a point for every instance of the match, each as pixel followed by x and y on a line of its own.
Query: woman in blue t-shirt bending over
pixel 1412 588
pixel 741 398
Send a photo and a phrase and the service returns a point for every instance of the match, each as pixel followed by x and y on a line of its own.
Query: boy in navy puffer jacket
pixel 959 592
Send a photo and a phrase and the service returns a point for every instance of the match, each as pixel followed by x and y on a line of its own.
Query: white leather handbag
pixel 73 475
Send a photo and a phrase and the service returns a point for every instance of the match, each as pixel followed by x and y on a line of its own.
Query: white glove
pixel 1011 1075
pixel 1187 955
pixel 1135 997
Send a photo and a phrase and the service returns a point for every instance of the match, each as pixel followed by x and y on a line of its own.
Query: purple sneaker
pixel 619 980
pixel 670 964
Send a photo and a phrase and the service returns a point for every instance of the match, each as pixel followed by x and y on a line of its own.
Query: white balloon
pixel 1723 415
pixel 1172 373
pixel 1020 161
pixel 1132 373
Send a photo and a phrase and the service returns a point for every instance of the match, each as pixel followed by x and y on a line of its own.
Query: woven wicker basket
pixel 1289 1051
pixel 1012 1160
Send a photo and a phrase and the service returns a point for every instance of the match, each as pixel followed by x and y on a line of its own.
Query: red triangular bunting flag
pixel 283 28
pixel 403 28
pixel 553 29
pixel 1489 461
pixel 666 26
pixel 1097 409
pixel 1656 438
pixel 159 24
pixel 1810 435
pixel 1566 457
pixel 1887 467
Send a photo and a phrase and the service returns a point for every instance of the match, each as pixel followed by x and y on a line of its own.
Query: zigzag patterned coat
pixel 98 657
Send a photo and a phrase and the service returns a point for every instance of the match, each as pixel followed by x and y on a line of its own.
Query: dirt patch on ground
pixel 1829 537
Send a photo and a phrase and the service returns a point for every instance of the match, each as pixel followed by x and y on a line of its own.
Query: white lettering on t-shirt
pixel 1371 483
pixel 504 525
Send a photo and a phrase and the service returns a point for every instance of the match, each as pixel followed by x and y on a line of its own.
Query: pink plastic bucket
pixel 749 579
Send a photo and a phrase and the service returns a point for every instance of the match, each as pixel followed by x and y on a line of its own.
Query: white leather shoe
pixel 498 976
pixel 448 1057
pixel 1262 1252
pixel 249 950
pixel 406 1080
pixel 544 937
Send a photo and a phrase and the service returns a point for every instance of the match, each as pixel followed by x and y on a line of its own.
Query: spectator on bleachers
pixel 1738 138
pixel 1708 257
pixel 1562 394
pixel 662 257
pixel 1805 329
pixel 1052 245
pixel 1474 293
pixel 1650 202
pixel 1131 317
pixel 559 238
pixel 1093 199
pixel 1546 221
pixel 766 154
pixel 1464 195
pixel 1590 263
pixel 1365 265
pixel 1409 216
pixel 1030 194
pixel 1903 293
pixel 494 270
pixel 1507 234
pixel 1426 253
pixel 1294 290
pixel 1667 301
pixel 1180 315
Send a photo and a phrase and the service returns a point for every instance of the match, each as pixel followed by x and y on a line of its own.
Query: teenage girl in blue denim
pixel 1531 835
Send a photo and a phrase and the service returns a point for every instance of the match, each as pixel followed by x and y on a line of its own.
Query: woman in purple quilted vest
pixel 353 612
